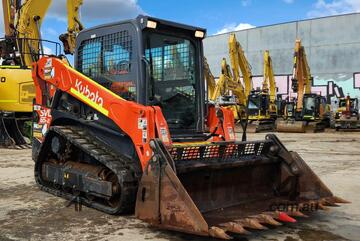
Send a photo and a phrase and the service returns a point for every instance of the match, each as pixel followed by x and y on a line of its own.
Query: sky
pixel 214 15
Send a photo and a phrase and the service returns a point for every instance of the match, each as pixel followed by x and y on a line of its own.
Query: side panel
pixel 17 90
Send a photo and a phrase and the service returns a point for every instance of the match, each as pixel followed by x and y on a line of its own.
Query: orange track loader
pixel 130 129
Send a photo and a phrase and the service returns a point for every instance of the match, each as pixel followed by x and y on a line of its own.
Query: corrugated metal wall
pixel 332 45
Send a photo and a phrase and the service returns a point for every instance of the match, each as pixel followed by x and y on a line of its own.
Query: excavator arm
pixel 74 26
pixel 301 75
pixel 269 84
pixel 210 80
pixel 9 10
pixel 23 22
pixel 240 63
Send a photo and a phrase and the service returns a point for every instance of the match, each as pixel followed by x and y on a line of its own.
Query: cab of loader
pixel 153 62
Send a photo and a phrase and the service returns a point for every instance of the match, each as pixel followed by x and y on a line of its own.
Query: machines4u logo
pixel 85 91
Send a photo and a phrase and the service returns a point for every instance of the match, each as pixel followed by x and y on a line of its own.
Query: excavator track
pixel 265 126
pixel 124 168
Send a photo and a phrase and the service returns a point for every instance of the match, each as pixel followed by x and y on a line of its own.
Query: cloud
pixel 233 27
pixel 334 7
pixel 99 10
pixel 51 31
pixel 245 3
pixel 48 50
pixel 289 1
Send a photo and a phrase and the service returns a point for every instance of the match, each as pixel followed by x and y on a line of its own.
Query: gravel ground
pixel 26 213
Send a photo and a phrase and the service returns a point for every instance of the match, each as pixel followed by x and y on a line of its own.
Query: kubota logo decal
pixel 92 98
pixel 84 90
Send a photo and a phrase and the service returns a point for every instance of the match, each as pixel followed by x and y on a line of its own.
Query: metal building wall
pixel 332 45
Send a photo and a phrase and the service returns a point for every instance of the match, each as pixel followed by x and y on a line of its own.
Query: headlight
pixel 199 34
pixel 151 24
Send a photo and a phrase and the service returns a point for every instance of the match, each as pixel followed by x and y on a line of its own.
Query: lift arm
pixel 140 123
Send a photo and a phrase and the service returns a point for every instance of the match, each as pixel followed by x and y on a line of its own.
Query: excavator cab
pixel 258 110
pixel 258 105
pixel 105 138
pixel 311 107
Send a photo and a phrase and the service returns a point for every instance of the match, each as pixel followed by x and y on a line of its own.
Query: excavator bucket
pixel 217 189
pixel 10 134
pixel 291 126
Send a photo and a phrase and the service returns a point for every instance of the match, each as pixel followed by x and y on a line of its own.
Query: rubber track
pixel 123 167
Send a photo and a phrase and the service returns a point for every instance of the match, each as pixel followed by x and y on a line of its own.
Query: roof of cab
pixel 142 19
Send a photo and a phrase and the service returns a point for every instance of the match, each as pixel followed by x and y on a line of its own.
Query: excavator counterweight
pixel 134 133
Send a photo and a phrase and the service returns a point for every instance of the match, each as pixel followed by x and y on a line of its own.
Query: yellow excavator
pixel 21 46
pixel 347 114
pixel 229 90
pixel 262 107
pixel 308 111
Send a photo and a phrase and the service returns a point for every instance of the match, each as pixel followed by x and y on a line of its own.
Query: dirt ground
pixel 26 213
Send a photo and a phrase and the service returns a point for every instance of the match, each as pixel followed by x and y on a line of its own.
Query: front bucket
pixel 10 134
pixel 222 188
